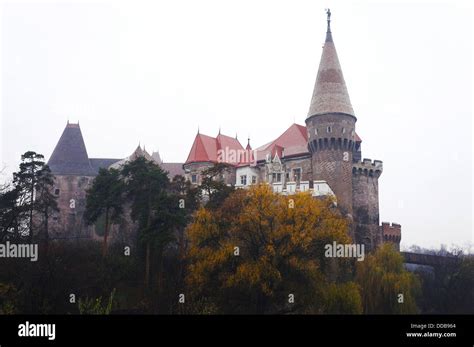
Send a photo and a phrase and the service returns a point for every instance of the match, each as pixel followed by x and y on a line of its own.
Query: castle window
pixel 297 174
pixel 254 179
pixel 315 131
pixel 243 180
pixel 276 177
pixel 193 178
pixel 343 130
pixel 287 177
pixel 56 191
pixel 328 129
pixel 353 132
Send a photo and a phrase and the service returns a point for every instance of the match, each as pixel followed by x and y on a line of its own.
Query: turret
pixel 391 233
pixel 365 202
pixel 331 126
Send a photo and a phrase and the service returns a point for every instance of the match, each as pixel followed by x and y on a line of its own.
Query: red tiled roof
pixel 292 142
pixel 225 142
pixel 205 149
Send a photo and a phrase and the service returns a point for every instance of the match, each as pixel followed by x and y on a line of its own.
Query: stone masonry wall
pixel 331 142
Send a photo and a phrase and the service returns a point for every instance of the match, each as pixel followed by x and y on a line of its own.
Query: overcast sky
pixel 153 72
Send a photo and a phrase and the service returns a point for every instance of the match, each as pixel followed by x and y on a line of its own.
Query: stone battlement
pixel 391 232
pixel 367 167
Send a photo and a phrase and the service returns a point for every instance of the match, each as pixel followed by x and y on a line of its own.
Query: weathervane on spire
pixel 328 12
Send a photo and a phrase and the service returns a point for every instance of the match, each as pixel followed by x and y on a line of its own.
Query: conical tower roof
pixel 330 92
pixel 156 156
pixel 70 155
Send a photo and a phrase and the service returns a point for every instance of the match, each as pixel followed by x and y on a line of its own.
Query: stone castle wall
pixel 331 142
pixel 69 223
pixel 365 199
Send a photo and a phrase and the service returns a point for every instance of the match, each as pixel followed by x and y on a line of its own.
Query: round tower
pixel 331 126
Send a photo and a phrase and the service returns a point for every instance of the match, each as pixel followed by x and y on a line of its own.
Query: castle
pixel 323 157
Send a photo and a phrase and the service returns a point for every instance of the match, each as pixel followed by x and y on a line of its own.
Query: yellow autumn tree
pixel 262 252
pixel 386 286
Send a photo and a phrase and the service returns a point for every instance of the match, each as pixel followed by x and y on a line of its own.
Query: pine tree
pixel 9 213
pixel 33 184
pixel 105 198
pixel 45 200
pixel 154 208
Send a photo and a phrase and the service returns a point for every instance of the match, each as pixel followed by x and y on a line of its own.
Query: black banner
pixel 449 330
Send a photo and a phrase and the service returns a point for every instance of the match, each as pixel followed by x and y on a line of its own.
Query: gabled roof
pixel 204 149
pixel 138 152
pixel 70 155
pixel 226 142
pixel 102 163
pixel 207 149
pixel 173 169
pixel 293 141
pixel 295 135
pixel 156 156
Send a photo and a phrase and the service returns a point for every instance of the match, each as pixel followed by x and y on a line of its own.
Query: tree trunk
pixel 148 246
pixel 160 272
pixel 147 265
pixel 32 203
pixel 46 233
pixel 106 233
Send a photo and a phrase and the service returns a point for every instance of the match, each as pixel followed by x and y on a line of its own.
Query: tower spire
pixel 330 92
pixel 328 31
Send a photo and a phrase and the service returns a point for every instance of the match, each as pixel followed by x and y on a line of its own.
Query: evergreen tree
pixel 105 199
pixel 213 184
pixel 33 184
pixel 155 210
pixel 45 200
pixel 9 213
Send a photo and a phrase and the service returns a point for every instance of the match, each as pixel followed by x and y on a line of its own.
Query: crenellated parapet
pixel 367 167
pixel 391 233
